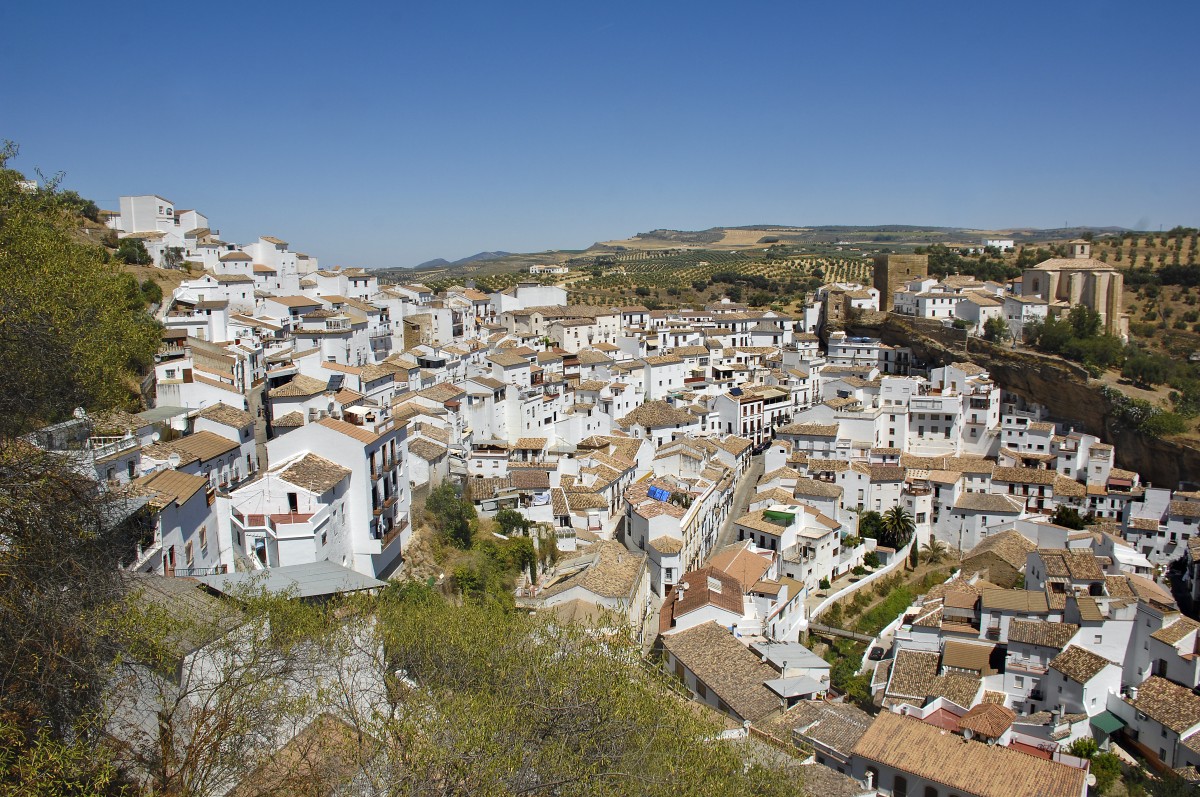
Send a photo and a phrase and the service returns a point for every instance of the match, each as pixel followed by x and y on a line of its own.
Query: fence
pixel 898 561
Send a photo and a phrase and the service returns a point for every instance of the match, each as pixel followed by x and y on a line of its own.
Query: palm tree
pixel 898 527
pixel 935 552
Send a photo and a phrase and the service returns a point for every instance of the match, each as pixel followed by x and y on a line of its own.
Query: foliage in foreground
pixel 73 330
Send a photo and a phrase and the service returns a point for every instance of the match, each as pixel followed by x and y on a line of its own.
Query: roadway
pixel 742 494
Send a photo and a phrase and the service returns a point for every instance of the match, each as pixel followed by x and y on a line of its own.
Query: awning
pixel 1108 722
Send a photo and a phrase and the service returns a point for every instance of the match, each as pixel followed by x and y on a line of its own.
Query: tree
pixel 450 515
pixel 151 291
pixel 1068 517
pixel 510 521
pixel 133 251
pixel 935 552
pixel 898 527
pixel 1146 369
pixel 870 524
pixel 71 333
pixel 996 329
pixel 1084 747
pixel 1107 769
pixel 1084 321
pixel 536 707
pixel 63 543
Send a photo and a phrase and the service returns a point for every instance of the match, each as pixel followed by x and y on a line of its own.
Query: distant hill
pixel 478 257
pixel 437 262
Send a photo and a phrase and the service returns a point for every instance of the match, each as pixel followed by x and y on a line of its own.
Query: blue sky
pixel 385 134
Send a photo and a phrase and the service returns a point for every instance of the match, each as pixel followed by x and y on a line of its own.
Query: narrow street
pixel 741 499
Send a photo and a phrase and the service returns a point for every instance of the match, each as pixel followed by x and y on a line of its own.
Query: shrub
pixel 859 570
pixel 871 560
pixel 824 584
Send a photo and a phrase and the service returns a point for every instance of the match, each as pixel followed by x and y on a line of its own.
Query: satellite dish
pixel 173 461
pixel 154 438
pixel 80 413
pixel 1091 779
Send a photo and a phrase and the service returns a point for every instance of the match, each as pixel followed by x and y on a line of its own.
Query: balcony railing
pixel 215 570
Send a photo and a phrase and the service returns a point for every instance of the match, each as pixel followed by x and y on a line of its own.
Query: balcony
pixel 186 572
pixel 110 446
pixel 395 531
pixel 1025 665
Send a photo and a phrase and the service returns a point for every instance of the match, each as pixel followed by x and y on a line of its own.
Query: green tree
pixel 452 516
pixel 1084 747
pixel 511 521
pixel 537 707
pixel 151 291
pixel 133 251
pixel 1146 369
pixel 1107 769
pixel 70 335
pixel 935 552
pixel 1068 517
pixel 996 329
pixel 898 527
pixel 870 524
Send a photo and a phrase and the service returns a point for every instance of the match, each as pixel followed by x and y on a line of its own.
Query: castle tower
pixel 892 272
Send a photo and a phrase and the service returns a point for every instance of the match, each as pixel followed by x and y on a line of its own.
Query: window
pixel 1098 639
pixel 204 541
pixel 930 792
pixel 324 537
pixel 1019 681
pixel 899 786
pixel 187 554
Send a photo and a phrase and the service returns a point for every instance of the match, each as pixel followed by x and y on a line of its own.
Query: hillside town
pixel 703 475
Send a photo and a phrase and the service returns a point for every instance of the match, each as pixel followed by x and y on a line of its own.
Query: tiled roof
pixel 988 502
pixel 200 446
pixel 727 668
pixel 837 726
pixel 667 545
pixel 613 572
pixel 225 414
pixel 723 591
pixel 166 486
pixel 1170 704
pixel 290 420
pixel 1071 563
pixel 1176 631
pixel 988 720
pixel 1019 600
pixel 969 656
pixel 1024 476
pixel 313 473
pixel 816 488
pixel 301 386
pixel 908 745
pixel 810 429
pixel 1078 664
pixel 426 449
pixel 1187 509
pixel 915 675
pixel 657 414
pixel 359 433
pixel 1011 546
pixel 1041 633
pixel 741 563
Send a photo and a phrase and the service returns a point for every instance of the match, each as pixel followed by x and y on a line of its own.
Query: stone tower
pixel 893 271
